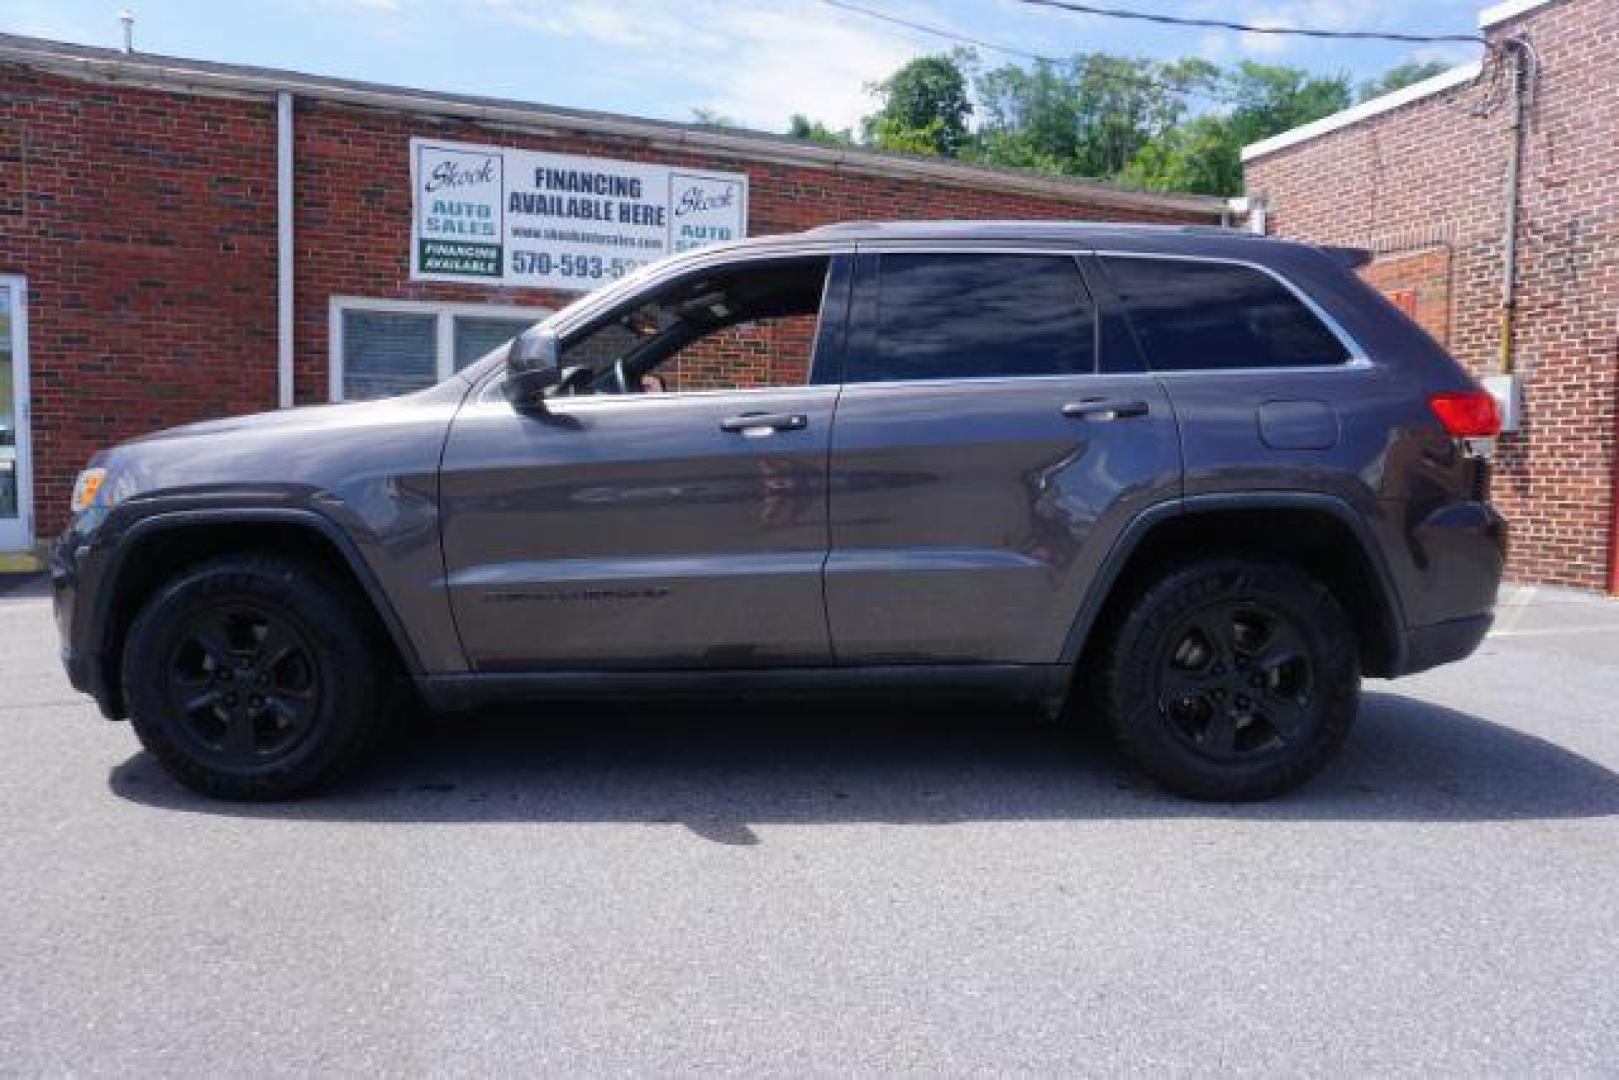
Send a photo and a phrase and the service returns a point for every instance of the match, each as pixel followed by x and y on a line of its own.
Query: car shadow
pixel 719 771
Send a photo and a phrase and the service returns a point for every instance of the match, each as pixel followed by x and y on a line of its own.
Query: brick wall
pixel 145 223
pixel 769 352
pixel 1423 186
pixel 1419 283
pixel 145 226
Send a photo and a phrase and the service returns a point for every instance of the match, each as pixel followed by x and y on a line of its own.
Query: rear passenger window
pixel 1204 316
pixel 965 316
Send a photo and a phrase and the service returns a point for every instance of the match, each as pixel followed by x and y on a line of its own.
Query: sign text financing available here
pixel 556 221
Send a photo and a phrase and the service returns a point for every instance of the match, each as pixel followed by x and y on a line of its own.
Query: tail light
pixel 1472 418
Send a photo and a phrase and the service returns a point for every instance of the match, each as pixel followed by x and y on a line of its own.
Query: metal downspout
pixel 1509 230
pixel 283 245
pixel 1613 497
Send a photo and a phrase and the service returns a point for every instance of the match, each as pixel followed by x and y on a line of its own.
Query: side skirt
pixel 1016 682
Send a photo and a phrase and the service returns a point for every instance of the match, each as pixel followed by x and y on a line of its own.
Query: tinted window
pixel 978 316
pixel 1196 316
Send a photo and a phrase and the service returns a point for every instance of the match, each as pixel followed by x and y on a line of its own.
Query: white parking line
pixel 1549 631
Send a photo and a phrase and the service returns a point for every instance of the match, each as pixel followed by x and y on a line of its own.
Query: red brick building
pixel 1422 177
pixel 146 277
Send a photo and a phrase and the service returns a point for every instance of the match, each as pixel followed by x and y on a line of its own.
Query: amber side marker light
pixel 87 488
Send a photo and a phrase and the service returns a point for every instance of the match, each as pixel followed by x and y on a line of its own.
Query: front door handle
pixel 1103 409
pixel 754 425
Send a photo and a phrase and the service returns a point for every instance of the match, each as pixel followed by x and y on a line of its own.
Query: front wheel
pixel 250 678
pixel 1233 679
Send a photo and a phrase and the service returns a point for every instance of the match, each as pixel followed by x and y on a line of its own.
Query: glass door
pixel 16 519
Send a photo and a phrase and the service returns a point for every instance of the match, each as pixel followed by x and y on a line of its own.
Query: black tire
pixel 1232 679
pixel 250 677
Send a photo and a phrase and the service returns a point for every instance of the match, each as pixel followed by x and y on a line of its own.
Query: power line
pixel 939 31
pixel 1118 77
pixel 1249 28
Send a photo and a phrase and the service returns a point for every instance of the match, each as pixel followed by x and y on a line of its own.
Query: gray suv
pixel 1192 482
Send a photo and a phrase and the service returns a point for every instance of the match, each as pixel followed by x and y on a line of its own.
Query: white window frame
pixel 22 526
pixel 446 314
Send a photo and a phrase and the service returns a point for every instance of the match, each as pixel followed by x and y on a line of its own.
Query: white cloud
pixel 758 64
pixel 1214 47
pixel 44 19
pixel 1267 44
pixel 633 24
pixel 1455 54
pixel 1320 15
pixel 785 63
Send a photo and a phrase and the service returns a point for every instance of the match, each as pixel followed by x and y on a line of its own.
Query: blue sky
pixel 756 61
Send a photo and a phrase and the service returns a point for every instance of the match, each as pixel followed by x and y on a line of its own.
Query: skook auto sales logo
pixel 461 223
pixel 707 210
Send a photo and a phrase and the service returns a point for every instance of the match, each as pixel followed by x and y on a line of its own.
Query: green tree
pixel 711 118
pixel 1086 117
pixel 1270 99
pixel 1204 154
pixel 924 108
pixel 1400 76
pixel 802 127
pixel 1110 117
pixel 1197 156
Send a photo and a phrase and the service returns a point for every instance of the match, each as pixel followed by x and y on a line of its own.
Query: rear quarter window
pixel 1212 316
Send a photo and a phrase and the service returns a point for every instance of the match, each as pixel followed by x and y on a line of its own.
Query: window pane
pixel 1192 316
pixel 730 328
pixel 979 316
pixel 387 353
pixel 475 335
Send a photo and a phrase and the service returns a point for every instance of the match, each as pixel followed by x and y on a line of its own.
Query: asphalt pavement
pixel 816 891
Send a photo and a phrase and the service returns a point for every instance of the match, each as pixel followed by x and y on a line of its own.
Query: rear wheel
pixel 250 678
pixel 1233 679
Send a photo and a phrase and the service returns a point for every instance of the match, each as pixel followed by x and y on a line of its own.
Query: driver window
pixel 737 327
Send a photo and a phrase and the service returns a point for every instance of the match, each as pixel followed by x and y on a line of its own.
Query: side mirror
pixel 531 367
pixel 534 348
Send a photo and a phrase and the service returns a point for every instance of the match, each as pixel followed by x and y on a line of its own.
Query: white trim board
pixel 20 528
pixel 1511 9
pixel 1445 80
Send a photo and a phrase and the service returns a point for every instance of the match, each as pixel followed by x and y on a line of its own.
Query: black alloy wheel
pixel 244 681
pixel 1232 678
pixel 255 676
pixel 1235 681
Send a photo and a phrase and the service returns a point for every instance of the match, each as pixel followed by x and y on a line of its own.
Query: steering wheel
pixel 620 380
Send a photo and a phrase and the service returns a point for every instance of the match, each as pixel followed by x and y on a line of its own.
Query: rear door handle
pixel 754 425
pixel 1103 409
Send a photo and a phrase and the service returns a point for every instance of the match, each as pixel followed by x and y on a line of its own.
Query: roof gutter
pixel 197 77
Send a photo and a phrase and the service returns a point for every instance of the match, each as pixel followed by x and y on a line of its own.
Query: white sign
pixel 555 221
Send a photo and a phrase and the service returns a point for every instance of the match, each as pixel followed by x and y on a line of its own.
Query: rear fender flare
pixel 1134 533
